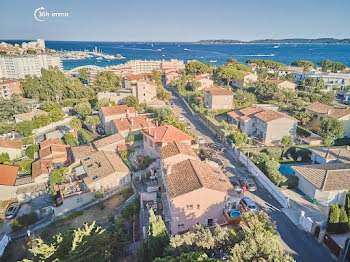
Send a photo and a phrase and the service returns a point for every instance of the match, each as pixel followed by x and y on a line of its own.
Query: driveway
pixel 294 241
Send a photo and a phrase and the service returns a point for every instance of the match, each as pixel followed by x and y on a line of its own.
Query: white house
pixel 328 155
pixel 326 183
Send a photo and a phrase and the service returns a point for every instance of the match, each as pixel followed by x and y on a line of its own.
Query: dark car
pixel 219 162
pixel 63 129
pixel 248 205
pixel 248 183
pixel 236 185
pixel 12 211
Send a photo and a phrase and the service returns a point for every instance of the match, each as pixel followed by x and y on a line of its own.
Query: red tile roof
pixel 190 175
pixel 175 148
pixel 133 123
pixel 41 167
pixel 219 91
pixel 117 110
pixel 8 175
pixel 166 134
pixel 335 112
pixel 51 141
pixel 7 143
pixel 135 77
pixel 108 140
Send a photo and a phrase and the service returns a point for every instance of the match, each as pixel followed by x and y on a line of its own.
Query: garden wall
pixel 44 129
pixel 255 171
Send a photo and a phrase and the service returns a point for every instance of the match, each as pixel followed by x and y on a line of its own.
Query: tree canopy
pixel 228 73
pixel 331 65
pixel 266 63
pixel 107 81
pixel 196 68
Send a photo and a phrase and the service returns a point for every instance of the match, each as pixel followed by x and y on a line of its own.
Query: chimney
pixel 329 111
pixel 149 130
pixel 154 134
pixel 127 111
pixel 132 121
pixel 156 122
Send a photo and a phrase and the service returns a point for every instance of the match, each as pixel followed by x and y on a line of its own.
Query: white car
pixel 181 118
pixel 201 140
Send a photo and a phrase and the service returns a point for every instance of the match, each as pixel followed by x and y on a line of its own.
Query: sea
pixel 217 54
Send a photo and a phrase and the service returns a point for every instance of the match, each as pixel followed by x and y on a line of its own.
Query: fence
pixel 261 177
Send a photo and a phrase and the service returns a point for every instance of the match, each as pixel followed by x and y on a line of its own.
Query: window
pixel 189 207
pixel 180 226
pixel 94 177
pixel 87 158
pixel 198 206
pixel 90 165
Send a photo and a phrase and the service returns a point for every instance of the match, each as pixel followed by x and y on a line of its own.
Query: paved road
pixel 303 248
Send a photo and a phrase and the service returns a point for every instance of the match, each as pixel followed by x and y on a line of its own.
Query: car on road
pixel 188 126
pixel 12 211
pixel 181 119
pixel 219 162
pixel 248 205
pixel 201 140
pixel 236 185
pixel 63 129
pixel 248 183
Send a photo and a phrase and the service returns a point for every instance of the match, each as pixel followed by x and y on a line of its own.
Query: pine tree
pixel 158 237
pixel 333 218
pixel 343 221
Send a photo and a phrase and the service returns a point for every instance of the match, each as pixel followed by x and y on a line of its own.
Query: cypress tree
pixel 347 203
pixel 333 218
pixel 157 238
pixel 343 221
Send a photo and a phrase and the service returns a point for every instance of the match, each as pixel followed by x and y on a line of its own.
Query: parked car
pixel 201 140
pixel 63 129
pixel 248 205
pixel 181 119
pixel 236 185
pixel 188 126
pixel 251 185
pixel 248 183
pixel 12 211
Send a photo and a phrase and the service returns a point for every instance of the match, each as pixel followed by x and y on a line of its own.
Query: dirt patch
pixel 99 213
pixel 15 251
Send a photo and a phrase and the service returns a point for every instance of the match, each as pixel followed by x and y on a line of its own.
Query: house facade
pixel 9 87
pixel 331 80
pixel 107 114
pixel 297 71
pixel 204 80
pixel 130 125
pixel 320 111
pixel 155 138
pixel 267 125
pixel 329 155
pixel 284 84
pixel 247 79
pixel 12 147
pixel 218 98
pixel 326 183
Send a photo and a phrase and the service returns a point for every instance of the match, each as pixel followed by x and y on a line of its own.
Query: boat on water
pixel 186 49
pixel 276 46
pixel 99 58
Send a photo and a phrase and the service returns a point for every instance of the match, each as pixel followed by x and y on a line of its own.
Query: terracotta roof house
pixel 29 116
pixel 170 76
pixel 218 98
pixel 130 125
pixel 8 175
pixel 283 84
pixel 269 126
pixel 107 114
pixel 157 137
pixel 196 193
pixel 41 170
pixel 12 147
pixel 321 111
pixel 332 154
pixel 54 150
pixel 131 79
pixel 105 170
pixel 9 87
pixel 109 143
pixel 175 152
pixel 327 183
pixel 247 79
pixel 205 81
pixel 82 151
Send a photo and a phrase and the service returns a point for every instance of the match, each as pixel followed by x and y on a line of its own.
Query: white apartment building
pixel 38 44
pixel 148 66
pixel 17 67
pixel 331 80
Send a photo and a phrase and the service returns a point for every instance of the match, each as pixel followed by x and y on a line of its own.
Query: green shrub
pixel 273 152
pixel 291 182
pixel 84 137
pixel 99 194
pixel 343 221
pixel 333 218
pixel 301 131
pixel 271 166
pixel 127 192
pixel 239 138
pixel 31 150
pixel 71 140
pixel 276 178
pixel 23 221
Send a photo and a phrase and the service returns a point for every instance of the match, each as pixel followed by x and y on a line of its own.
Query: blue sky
pixel 176 20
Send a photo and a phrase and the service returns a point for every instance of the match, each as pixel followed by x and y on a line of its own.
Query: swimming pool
pixel 287 169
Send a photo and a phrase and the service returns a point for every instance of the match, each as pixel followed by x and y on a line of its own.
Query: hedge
pixel 301 131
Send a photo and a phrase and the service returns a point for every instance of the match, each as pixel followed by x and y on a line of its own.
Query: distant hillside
pixel 279 41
